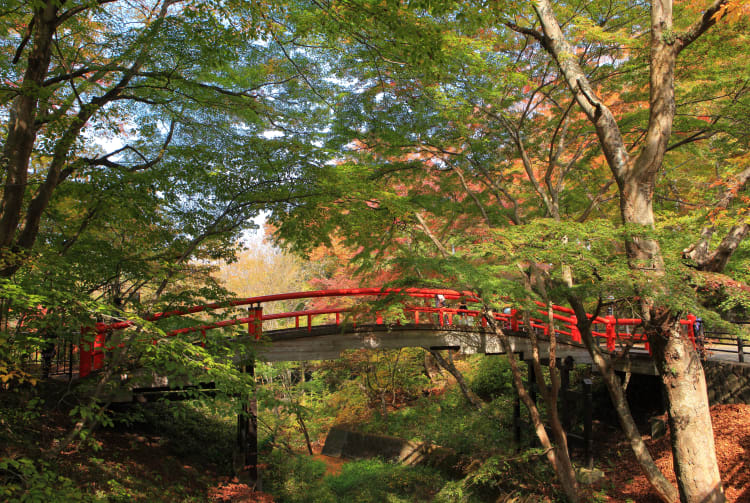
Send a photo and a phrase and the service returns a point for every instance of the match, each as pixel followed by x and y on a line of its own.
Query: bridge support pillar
pixel 566 367
pixel 517 421
pixel 247 434
pixel 588 435
pixel 247 419
pixel 532 393
pixel 532 381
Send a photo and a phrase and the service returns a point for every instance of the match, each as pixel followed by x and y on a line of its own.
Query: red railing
pixel 92 353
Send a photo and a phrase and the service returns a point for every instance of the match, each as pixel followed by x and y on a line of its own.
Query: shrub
pixel 22 480
pixel 375 481
pixel 493 378
pixel 296 479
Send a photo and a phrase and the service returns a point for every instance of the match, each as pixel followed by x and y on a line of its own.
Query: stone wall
pixel 727 382
pixel 344 442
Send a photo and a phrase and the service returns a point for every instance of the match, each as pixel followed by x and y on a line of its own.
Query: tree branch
pixel 707 20
pixel 430 235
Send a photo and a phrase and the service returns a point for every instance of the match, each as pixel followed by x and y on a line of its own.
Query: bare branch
pixel 430 235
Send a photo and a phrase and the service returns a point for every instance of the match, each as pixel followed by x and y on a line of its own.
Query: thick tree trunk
pixel 698 479
pixel 21 132
pixel 689 415
pixel 679 366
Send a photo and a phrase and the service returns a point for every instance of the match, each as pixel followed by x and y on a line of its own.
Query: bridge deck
pixel 325 342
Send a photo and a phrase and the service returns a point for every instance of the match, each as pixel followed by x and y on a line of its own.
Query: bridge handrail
pixel 342 292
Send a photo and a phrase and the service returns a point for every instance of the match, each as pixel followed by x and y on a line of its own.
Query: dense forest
pixel 585 158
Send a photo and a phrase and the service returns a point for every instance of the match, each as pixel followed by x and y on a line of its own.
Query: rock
pixel 589 475
pixel 658 427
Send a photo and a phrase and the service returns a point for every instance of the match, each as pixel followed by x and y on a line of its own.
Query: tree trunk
pixel 448 365
pixel 21 130
pixel 679 366
pixel 557 453
pixel 664 488
pixel 690 425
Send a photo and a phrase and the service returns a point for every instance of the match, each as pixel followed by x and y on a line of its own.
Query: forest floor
pixel 626 482
pixel 137 464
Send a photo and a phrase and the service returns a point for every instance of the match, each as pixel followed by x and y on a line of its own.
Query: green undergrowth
pixel 300 479
pixel 448 420
pixel 171 452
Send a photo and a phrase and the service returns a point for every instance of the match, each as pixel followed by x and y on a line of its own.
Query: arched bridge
pixel 458 323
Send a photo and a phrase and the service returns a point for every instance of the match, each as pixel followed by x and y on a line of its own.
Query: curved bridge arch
pixel 425 326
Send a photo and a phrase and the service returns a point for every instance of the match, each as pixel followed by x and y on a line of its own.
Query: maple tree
pixel 423 142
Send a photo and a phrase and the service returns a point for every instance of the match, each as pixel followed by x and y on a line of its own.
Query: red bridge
pixel 317 334
pixel 396 318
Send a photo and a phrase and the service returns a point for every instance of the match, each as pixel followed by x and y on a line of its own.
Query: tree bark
pixel 21 133
pixel 691 431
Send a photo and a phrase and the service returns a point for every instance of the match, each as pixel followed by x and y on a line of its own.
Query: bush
pixel 301 479
pixel 22 480
pixel 375 481
pixel 493 378
pixel 296 479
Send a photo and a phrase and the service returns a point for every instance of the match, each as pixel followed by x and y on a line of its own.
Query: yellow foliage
pixel 9 373
pixel 733 11
pixel 264 269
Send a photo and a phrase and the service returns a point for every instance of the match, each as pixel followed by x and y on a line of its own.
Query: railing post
pixel 378 318
pixel 575 334
pixel 513 320
pixel 255 325
pixel 85 354
pixel 740 349
pixel 611 333
pixel 97 355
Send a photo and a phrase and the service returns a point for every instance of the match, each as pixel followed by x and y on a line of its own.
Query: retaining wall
pixel 727 382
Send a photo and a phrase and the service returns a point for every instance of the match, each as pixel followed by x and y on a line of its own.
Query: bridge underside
pixel 329 341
